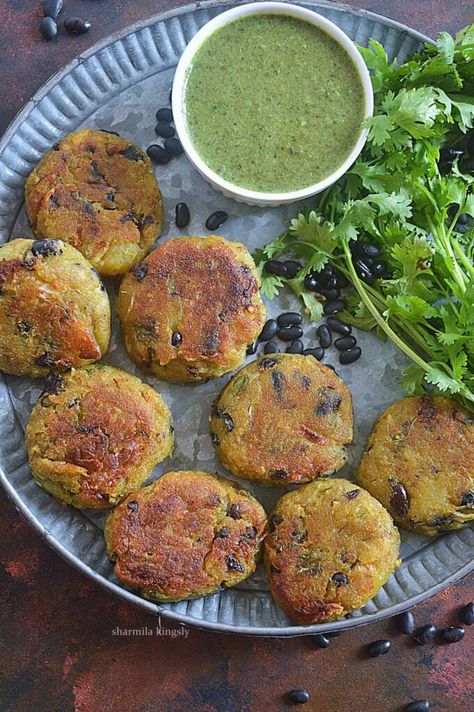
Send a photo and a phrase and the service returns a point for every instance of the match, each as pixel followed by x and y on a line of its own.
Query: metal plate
pixel 118 85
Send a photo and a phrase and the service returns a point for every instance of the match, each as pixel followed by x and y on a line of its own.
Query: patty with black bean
pixel 283 419
pixel 419 462
pixel 189 534
pixel 189 310
pixel 96 434
pixel 54 310
pixel 330 548
pixel 97 191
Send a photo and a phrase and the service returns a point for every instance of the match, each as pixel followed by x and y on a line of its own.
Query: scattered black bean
pixel 276 267
pixel 52 8
pixel 173 145
pixel 269 330
pixel 378 647
pixel 463 218
pixel 252 348
pixel 164 115
pixel 271 347
pixel 158 154
pixel 182 215
pixel 425 634
pixel 418 706
pixel 321 641
pixel 341 280
pixel 349 356
pixel 363 270
pixel 324 336
pixel 48 28
pixel 176 339
pixel 467 166
pixel 164 130
pixel 299 697
pixel 461 228
pixel 289 319
pixel 290 333
pixel 378 268
pixel 317 353
pixel 333 306
pixel 296 347
pixel 292 268
pixel 311 283
pixel 344 343
pixel 330 293
pixel 405 623
pixel 450 153
pixel 325 273
pixel 466 614
pixel 77 25
pixel 331 282
pixel 215 220
pixel 338 326
pixel 467 499
pixel 367 249
pixel 452 634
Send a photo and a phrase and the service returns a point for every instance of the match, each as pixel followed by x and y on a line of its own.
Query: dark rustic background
pixel 59 647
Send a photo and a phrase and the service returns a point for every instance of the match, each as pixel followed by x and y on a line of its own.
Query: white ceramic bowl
pixel 244 195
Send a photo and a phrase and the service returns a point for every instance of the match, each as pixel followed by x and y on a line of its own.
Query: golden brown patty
pixel 186 535
pixel 96 434
pixel 330 548
pixel 419 463
pixel 97 191
pixel 54 310
pixel 190 309
pixel 282 419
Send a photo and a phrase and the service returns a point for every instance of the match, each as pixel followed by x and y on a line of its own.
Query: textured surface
pixel 118 86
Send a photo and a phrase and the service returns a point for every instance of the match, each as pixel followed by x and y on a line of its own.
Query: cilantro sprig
pixel 396 197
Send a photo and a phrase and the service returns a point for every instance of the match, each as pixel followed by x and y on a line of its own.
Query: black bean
pixel 222 533
pixel 467 166
pixel 405 622
pixel 461 228
pixel 269 330
pixel 463 218
pixel 233 564
pixel 289 319
pixel 279 475
pixel 345 343
pixel 215 220
pixel 311 283
pixel 252 348
pixel 299 697
pixel 48 28
pixel 339 579
pixel 173 145
pixel 228 422
pixel 77 25
pixel 317 353
pixel 290 333
pixel 466 614
pixel 363 270
pixel 158 154
pixel 182 215
pixel 325 273
pixel 54 383
pixel 292 268
pixel 140 271
pixel 24 327
pixel 450 153
pixel 164 130
pixel 452 634
pixel 234 511
pixel 215 439
pixel 132 506
pixel 132 153
pixel 341 280
pixel 352 494
pixel 425 634
pixel 164 115
pixel 378 647
pixel 367 249
pixel 378 268
pixel 321 641
pixel 333 306
pixel 349 356
pixel 52 8
pixel 176 339
pixel 296 347
pixel 399 499
pixel 338 326
pixel 45 360
pixel 276 267
pixel 271 347
pixel 331 282
pixel 267 363
pixel 417 706
pixel 324 336
pixel 330 293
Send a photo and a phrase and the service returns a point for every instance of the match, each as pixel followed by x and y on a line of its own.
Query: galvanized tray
pixel 118 85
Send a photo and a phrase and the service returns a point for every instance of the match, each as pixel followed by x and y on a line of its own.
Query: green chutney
pixel 273 103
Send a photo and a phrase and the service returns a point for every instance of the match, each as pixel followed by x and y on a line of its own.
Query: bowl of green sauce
pixel 269 101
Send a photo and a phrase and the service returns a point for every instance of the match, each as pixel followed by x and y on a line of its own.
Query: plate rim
pixel 21 506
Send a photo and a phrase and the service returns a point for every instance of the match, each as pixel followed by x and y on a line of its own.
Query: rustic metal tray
pixel 118 85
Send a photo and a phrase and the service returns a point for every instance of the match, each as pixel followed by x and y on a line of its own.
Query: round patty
pixel 190 309
pixel 54 310
pixel 330 548
pixel 186 535
pixel 97 191
pixel 96 434
pixel 419 463
pixel 283 419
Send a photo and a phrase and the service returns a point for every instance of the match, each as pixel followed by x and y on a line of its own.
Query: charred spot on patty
pixel 277 381
pixel 274 521
pixel 328 401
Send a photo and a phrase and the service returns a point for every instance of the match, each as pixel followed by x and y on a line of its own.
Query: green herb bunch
pixel 397 197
